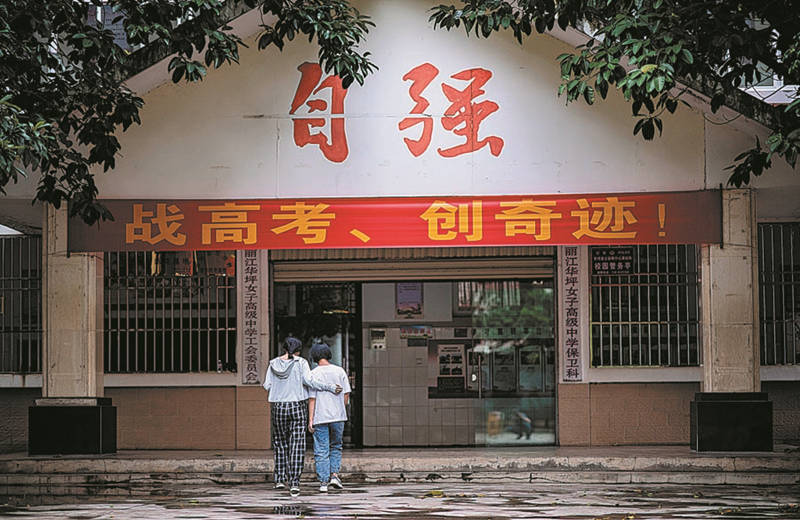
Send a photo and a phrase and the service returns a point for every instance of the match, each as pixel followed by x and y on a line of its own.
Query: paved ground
pixel 429 501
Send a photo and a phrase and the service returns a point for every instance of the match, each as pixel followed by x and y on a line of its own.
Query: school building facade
pixel 490 267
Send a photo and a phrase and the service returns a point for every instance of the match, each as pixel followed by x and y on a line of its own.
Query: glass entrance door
pixel 331 313
pixel 511 360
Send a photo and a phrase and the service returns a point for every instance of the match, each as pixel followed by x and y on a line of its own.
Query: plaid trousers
pixel 289 422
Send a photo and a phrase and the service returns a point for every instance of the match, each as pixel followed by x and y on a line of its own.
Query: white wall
pixel 231 136
pixel 777 190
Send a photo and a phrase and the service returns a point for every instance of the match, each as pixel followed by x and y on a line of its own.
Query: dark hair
pixel 320 351
pixel 292 345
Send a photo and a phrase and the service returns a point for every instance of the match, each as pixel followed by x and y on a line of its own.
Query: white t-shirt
pixel 329 407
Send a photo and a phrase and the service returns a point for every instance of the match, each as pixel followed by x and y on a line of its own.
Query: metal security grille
pixel 170 312
pixel 779 292
pixel 20 304
pixel 649 316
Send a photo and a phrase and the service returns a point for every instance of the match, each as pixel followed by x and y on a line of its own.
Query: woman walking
pixel 287 378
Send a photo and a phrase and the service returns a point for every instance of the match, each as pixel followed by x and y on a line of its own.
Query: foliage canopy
pixel 62 100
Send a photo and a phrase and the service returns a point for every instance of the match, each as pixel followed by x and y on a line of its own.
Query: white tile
pixel 435 435
pixel 395 358
pixel 370 396
pixel 395 397
pixel 369 436
pixel 434 417
pixel 421 376
pixel 409 376
pixel 396 416
pixel 382 416
pixel 370 377
pixel 409 435
pixel 409 416
pixel 370 416
pixel 448 417
pixel 396 435
pixel 395 377
pixel 449 434
pixel 462 416
pixel 421 415
pixel 382 436
pixel 462 436
pixel 409 396
pixel 421 434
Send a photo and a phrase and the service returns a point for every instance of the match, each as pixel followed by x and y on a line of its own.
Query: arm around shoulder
pixel 312 382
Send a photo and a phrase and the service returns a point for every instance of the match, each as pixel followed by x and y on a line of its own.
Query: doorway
pixel 329 312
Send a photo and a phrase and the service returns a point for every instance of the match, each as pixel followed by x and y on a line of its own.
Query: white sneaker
pixel 323 488
pixel 280 485
pixel 336 483
pixel 295 491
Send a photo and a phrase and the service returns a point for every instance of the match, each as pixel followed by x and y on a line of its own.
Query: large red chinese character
pixel 336 149
pixel 420 77
pixel 463 117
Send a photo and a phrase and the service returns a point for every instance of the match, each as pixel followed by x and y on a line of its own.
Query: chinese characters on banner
pixel 514 220
pixel 251 322
pixel 319 103
pixel 571 317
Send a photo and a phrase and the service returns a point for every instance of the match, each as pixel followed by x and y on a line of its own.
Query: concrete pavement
pixel 466 500
pixel 152 473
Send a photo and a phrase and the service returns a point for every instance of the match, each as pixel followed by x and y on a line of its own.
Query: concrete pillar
pixel 72 314
pixel 73 416
pixel 730 299
pixel 731 414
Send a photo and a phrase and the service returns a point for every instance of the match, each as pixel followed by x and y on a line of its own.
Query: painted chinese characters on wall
pixel 318 111
pixel 638 218
pixel 462 117
pixel 334 145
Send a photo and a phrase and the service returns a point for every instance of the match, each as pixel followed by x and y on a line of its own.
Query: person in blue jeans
pixel 327 414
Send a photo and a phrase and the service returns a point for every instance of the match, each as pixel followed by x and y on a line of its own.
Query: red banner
pixel 514 220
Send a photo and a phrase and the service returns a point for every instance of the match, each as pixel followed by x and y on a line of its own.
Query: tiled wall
pixel 785 397
pixel 624 413
pixel 191 418
pixel 397 411
pixel 14 404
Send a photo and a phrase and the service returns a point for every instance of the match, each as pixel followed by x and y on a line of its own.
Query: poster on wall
pixel 451 368
pixel 612 260
pixel 408 299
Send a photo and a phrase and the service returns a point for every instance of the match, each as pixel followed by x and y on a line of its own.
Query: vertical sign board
pixel 252 313
pixel 571 317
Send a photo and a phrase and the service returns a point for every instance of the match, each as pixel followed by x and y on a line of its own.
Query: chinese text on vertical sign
pixel 572 315
pixel 251 321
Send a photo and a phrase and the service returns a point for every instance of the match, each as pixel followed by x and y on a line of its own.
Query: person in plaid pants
pixel 287 378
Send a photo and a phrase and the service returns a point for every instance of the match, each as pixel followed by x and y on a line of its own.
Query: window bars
pixel 779 292
pixel 170 312
pixel 20 304
pixel 647 314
